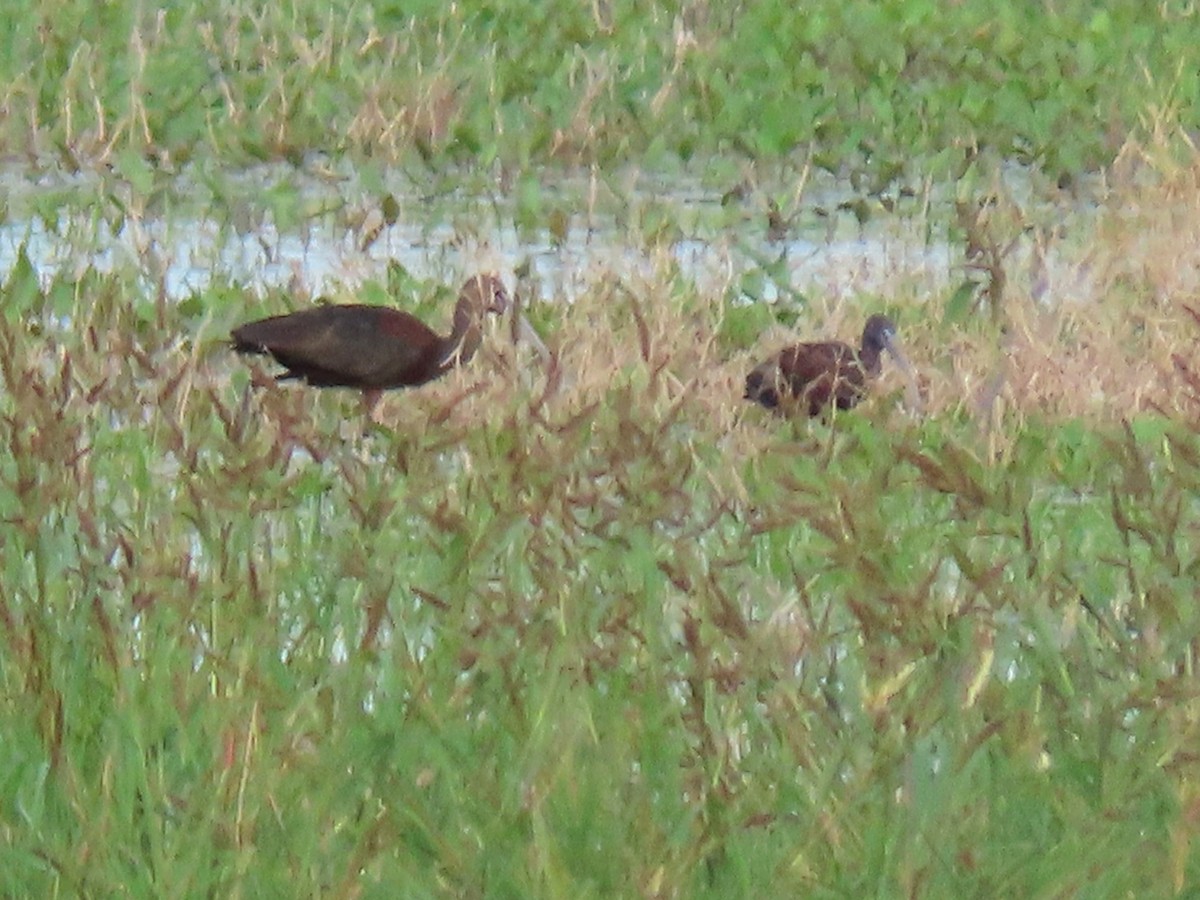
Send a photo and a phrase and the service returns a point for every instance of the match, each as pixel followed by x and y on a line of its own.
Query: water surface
pixel 278 227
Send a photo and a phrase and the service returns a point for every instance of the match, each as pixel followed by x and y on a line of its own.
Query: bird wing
pixel 805 363
pixel 818 371
pixel 352 345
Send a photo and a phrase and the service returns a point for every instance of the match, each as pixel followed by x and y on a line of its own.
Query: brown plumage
pixel 813 376
pixel 372 348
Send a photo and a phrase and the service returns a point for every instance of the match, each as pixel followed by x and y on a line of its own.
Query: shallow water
pixel 722 248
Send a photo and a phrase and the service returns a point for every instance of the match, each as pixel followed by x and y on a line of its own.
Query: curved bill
pixel 912 392
pixel 524 333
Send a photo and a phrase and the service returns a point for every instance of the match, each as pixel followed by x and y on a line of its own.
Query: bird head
pixel 485 293
pixel 880 334
pixel 479 296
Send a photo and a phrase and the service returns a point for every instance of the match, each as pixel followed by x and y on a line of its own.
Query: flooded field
pixel 593 600
pixel 831 246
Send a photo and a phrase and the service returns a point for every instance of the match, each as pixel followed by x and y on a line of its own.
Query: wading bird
pixel 814 376
pixel 372 348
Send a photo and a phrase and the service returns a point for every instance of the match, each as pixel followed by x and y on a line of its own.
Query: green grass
pixel 603 630
pixel 881 90
pixel 613 642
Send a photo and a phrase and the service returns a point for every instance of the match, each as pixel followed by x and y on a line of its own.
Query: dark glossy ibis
pixel 372 348
pixel 814 376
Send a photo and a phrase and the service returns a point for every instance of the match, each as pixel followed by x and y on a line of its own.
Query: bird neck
pixel 868 356
pixel 465 337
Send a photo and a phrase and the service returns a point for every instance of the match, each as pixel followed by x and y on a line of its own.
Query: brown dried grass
pixel 1108 337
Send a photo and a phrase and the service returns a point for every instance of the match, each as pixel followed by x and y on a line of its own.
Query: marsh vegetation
pixel 591 625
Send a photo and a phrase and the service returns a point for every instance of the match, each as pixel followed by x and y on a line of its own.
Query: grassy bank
pixel 602 630
pixel 862 86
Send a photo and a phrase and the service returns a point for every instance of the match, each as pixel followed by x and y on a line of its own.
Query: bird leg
pixel 370 398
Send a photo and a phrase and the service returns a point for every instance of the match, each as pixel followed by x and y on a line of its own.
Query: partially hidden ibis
pixel 372 348
pixel 814 377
